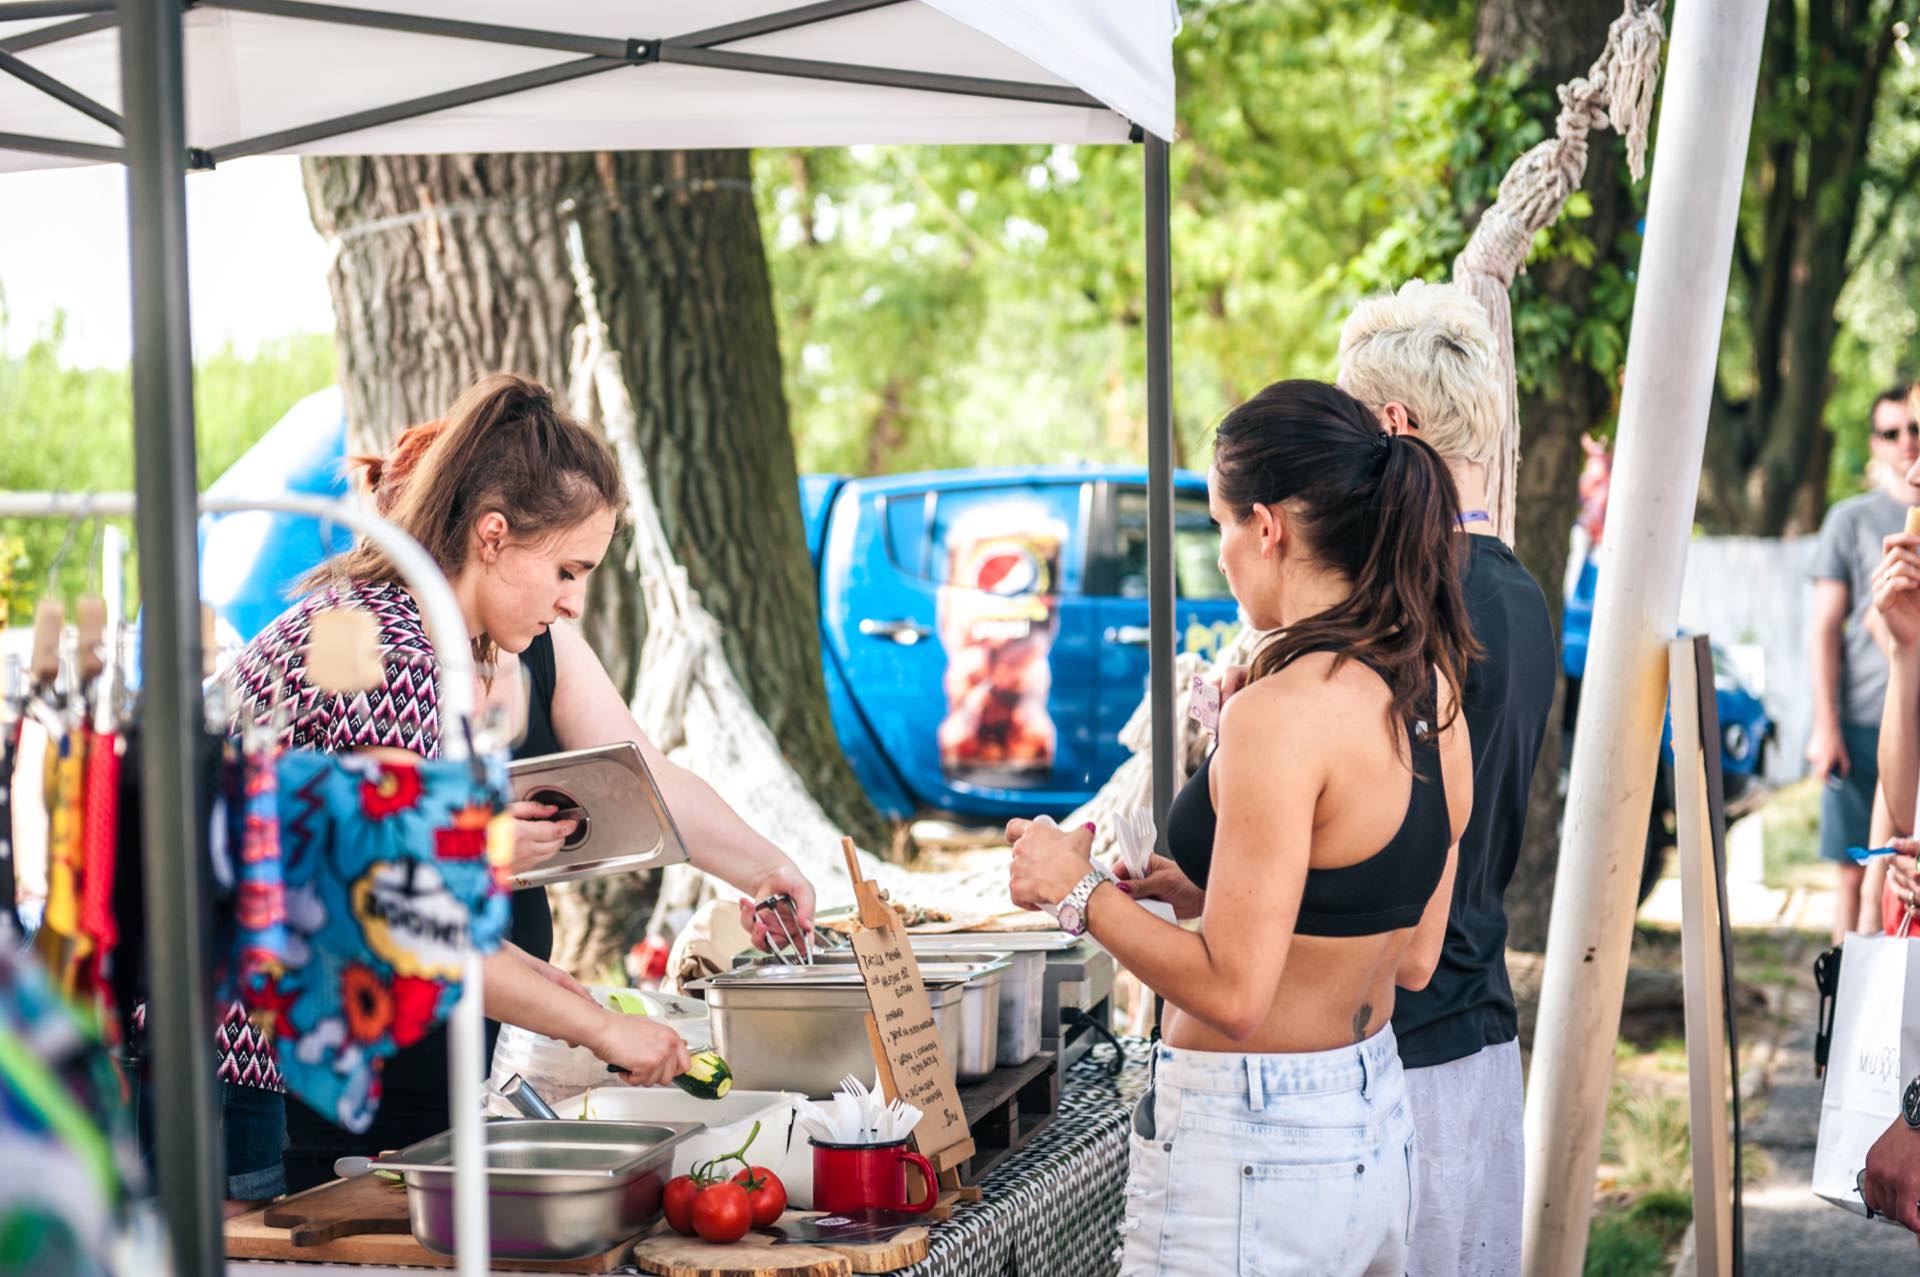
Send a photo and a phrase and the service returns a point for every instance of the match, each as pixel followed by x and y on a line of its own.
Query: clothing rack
pixel 447 628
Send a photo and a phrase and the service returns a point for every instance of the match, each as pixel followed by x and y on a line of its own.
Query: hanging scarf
pixel 387 890
pixel 100 815
pixel 61 942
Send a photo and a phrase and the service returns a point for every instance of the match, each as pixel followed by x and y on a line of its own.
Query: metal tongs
pixel 791 931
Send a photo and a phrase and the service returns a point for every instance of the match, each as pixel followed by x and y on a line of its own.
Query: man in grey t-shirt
pixel 1849 668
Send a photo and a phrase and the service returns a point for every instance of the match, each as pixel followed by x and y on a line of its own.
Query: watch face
pixel 1910 1103
pixel 1070 919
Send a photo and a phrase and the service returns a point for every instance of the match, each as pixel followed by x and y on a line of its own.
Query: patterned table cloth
pixel 1053 1208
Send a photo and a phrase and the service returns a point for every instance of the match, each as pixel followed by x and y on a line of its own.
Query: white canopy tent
pixel 165 89
pixel 432 76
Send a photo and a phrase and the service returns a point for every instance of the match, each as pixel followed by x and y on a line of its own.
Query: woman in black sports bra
pixel 1319 844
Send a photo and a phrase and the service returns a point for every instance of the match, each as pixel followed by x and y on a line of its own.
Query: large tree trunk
pixel 1765 468
pixel 451 267
pixel 1559 39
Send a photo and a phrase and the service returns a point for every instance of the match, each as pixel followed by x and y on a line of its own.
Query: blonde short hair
pixel 1429 348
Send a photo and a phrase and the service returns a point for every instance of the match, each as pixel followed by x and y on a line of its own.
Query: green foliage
pixel 1879 342
pixel 1635 1241
pixel 69 429
pixel 966 306
pixel 973 305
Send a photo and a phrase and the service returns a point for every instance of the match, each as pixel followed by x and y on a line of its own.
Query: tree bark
pixel 1765 468
pixel 1559 40
pixel 451 267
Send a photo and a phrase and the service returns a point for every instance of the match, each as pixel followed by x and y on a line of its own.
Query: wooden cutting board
pixel 668 1254
pixel 250 1237
pixel 665 1253
pixel 343 1208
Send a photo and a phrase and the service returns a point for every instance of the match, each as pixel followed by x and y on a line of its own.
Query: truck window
pixel 1025 540
pixel 1196 547
pixel 908 518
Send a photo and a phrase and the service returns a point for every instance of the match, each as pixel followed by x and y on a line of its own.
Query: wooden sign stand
pixel 1701 833
pixel 909 1045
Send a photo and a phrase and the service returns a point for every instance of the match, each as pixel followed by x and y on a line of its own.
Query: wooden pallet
pixel 1006 1109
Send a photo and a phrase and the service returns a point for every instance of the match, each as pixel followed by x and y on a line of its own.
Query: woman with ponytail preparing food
pixel 1320 843
pixel 517 503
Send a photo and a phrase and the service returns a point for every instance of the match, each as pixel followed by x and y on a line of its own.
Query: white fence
pixel 1751 595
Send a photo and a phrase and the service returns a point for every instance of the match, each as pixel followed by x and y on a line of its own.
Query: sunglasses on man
pixel 1912 429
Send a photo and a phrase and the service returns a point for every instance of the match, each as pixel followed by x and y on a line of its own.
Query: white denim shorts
pixel 1272 1165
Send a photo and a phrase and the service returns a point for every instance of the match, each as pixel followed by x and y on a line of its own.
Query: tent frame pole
pixel 1160 582
pixel 58 90
pixel 321 130
pixel 1706 114
pixel 173 748
pixel 45 36
pixel 61 147
pixel 27 10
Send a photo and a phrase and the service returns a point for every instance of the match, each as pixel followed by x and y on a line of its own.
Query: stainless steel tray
pixel 555 1189
pixel 625 825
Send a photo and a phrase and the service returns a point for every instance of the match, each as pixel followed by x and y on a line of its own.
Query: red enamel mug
pixel 849 1177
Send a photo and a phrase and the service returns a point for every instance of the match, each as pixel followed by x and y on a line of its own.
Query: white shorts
pixel 1271 1165
pixel 1472 1165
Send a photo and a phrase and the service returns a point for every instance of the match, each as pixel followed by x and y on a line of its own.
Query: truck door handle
pixel 904 632
pixel 1129 635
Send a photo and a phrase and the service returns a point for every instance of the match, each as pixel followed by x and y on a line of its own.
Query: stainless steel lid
pixel 839 975
pixel 546 1148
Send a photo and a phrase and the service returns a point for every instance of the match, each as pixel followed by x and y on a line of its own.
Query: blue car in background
pixel 1746 730
pixel 984 632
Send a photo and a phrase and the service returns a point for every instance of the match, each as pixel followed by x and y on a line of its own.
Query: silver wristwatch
pixel 1072 912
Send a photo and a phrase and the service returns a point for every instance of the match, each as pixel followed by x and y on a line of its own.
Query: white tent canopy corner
pixel 437 76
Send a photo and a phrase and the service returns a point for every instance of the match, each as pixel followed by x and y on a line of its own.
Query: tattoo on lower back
pixel 1361 1019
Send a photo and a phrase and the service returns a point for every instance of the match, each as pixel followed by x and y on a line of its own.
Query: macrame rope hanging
pixel 1616 92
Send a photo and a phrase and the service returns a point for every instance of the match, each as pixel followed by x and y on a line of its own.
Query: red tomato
pixel 721 1212
pixel 765 1194
pixel 677 1204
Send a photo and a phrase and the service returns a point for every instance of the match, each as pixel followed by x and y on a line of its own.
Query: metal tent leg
pixel 187 1157
pixel 1160 583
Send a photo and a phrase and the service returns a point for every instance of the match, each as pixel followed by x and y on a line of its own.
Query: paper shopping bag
pixel 1876 1049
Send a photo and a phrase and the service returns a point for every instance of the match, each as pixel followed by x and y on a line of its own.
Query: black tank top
pixel 413 1103
pixel 1385 892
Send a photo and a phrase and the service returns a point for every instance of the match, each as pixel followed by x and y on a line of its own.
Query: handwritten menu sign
pixel 906 1041
pixel 912 1053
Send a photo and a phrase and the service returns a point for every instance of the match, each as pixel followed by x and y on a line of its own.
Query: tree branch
pixel 1898 189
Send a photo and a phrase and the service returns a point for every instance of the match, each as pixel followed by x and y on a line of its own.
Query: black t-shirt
pixel 1509 694
pixel 413 1102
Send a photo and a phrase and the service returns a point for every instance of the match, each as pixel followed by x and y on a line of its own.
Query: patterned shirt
pixel 402 713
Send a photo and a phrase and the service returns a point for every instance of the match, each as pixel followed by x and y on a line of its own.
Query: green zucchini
pixel 708 1079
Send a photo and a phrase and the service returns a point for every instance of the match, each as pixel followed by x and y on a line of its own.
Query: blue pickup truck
pixel 984 632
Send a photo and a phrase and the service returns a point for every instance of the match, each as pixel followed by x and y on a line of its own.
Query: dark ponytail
pixel 1379 509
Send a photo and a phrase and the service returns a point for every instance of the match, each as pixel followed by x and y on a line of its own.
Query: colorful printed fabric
pixel 388 888
pixel 403 712
pixel 99 839
pixel 67 1155
pixel 245 1054
pixel 60 941
pixel 261 897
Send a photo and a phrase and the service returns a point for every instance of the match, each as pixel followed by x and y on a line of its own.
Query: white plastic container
pixel 1021 992
pixel 778 1147
pixel 558 1071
